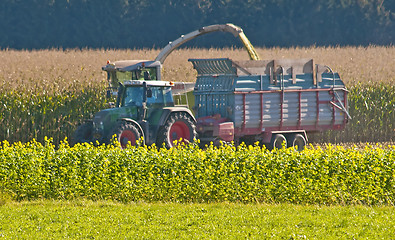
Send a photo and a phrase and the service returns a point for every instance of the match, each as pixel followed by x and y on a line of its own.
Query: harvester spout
pixel 235 30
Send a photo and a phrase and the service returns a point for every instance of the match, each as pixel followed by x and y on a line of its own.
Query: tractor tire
pixel 126 133
pixel 278 141
pixel 83 134
pixel 179 126
pixel 298 141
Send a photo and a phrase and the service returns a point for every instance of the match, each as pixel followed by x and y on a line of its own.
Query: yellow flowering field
pixel 330 175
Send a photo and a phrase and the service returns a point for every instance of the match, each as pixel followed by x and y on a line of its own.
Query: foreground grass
pixel 109 220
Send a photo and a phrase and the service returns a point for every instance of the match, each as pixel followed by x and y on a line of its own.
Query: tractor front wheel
pixel 84 133
pixel 178 127
pixel 126 133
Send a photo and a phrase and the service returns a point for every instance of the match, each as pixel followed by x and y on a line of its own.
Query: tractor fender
pixel 134 122
pixel 169 110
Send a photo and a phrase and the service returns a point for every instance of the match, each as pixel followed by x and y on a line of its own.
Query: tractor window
pixel 140 74
pixel 157 96
pixel 168 96
pixel 161 95
pixel 133 96
pixel 146 74
pixel 126 76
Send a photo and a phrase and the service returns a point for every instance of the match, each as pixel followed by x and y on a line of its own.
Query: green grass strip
pixel 112 220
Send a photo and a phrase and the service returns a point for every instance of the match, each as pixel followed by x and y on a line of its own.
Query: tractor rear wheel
pixel 126 133
pixel 179 126
pixel 83 133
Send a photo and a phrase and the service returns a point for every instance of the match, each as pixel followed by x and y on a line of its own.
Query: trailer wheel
pixel 297 141
pixel 126 133
pixel 278 141
pixel 178 126
pixel 84 133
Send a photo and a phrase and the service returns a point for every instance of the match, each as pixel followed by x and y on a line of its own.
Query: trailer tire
pixel 83 134
pixel 298 141
pixel 126 133
pixel 178 126
pixel 278 141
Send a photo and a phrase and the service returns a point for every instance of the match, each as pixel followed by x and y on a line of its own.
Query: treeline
pixel 37 24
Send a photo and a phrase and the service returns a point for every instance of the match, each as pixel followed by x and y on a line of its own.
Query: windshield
pixel 159 96
pixel 125 76
pixel 133 96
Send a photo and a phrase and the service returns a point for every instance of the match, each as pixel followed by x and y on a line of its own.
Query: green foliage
pixel 372 108
pixel 189 174
pixel 27 115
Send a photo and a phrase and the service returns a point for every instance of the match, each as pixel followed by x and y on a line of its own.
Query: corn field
pixel 46 93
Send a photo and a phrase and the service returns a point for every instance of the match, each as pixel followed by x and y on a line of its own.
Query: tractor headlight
pixel 98 130
pixel 98 125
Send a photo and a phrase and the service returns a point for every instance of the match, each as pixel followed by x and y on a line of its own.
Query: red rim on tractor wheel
pixel 177 126
pixel 179 130
pixel 126 132
pixel 126 137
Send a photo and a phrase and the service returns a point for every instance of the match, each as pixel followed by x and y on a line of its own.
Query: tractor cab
pixel 126 70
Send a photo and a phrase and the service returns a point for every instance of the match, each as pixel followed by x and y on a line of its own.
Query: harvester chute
pixel 235 30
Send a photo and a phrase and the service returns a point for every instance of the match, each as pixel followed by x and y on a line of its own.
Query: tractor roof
pixel 129 65
pixel 149 83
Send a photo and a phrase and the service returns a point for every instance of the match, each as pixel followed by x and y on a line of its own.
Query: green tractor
pixel 144 110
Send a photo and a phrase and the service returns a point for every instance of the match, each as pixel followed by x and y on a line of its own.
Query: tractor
pixel 145 111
